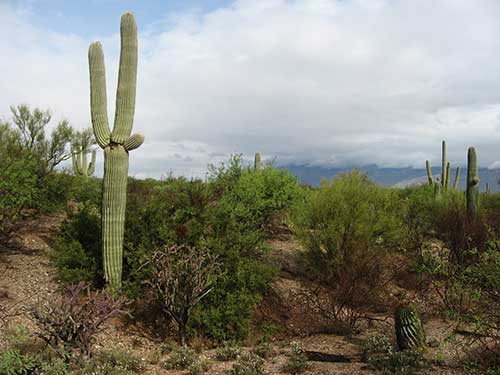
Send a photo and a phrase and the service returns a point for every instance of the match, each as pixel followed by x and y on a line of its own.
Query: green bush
pixel 77 252
pixel 13 362
pixel 247 364
pixel 296 361
pixel 180 358
pixel 228 352
pixel 120 359
pixel 345 222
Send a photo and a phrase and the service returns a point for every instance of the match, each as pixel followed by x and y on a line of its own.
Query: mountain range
pixel 394 177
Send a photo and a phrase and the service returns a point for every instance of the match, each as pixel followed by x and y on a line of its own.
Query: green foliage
pixel 345 222
pixel 18 180
pixel 120 359
pixel 297 360
pixel 263 350
pixel 247 364
pixel 13 362
pixel 180 358
pixel 198 367
pixel 77 254
pixel 375 347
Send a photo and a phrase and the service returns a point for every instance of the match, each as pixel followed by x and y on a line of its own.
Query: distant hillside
pixel 398 177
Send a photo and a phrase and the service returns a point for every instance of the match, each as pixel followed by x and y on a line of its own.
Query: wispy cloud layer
pixel 305 81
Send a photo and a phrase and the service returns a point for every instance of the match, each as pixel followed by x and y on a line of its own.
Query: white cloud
pixel 307 81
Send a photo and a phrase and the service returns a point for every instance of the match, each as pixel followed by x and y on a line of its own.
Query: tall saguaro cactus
pixel 116 143
pixel 472 183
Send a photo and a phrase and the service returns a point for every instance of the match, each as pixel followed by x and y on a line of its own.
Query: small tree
pixel 47 151
pixel 181 277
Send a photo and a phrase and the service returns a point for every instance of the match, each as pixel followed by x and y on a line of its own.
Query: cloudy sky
pixel 314 82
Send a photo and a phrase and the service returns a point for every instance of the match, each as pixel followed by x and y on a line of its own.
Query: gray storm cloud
pixel 307 82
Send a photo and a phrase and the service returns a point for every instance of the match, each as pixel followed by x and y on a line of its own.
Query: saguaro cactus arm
pixel 98 100
pixel 91 168
pixel 134 141
pixel 127 80
pixel 447 182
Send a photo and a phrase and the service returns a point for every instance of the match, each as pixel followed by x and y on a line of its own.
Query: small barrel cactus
pixel 409 329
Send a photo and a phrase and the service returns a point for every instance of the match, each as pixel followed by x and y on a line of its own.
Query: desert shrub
pixel 18 337
pixel 180 358
pixel 175 211
pixel 459 232
pixel 347 227
pixel 481 289
pixel 181 277
pixel 198 367
pixel 376 347
pixel 379 353
pixel 259 195
pixel 247 364
pixel 296 360
pixel 119 359
pixel 77 253
pixel 54 367
pixel 228 352
pixel 70 322
pixel 18 179
pixel 419 203
pixel 13 362
pixel 263 350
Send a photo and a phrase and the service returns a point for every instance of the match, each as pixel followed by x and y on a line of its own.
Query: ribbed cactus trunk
pixel 409 329
pixel 472 183
pixel 257 164
pixel 116 144
pixel 430 177
pixel 437 189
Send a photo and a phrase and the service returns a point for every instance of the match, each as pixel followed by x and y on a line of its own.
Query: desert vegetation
pixel 244 272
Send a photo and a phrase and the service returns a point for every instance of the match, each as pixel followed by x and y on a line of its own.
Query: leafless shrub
pixel 71 321
pixel 181 277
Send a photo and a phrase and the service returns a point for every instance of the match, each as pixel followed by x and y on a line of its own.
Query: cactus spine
pixel 430 177
pixel 457 178
pixel 409 329
pixel 472 183
pixel 79 160
pixel 257 164
pixel 116 143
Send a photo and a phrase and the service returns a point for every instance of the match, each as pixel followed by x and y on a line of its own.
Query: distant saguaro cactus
pixel 116 143
pixel 443 165
pixel 430 177
pixel 409 329
pixel 457 178
pixel 81 146
pixel 257 164
pixel 472 183
pixel 79 160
